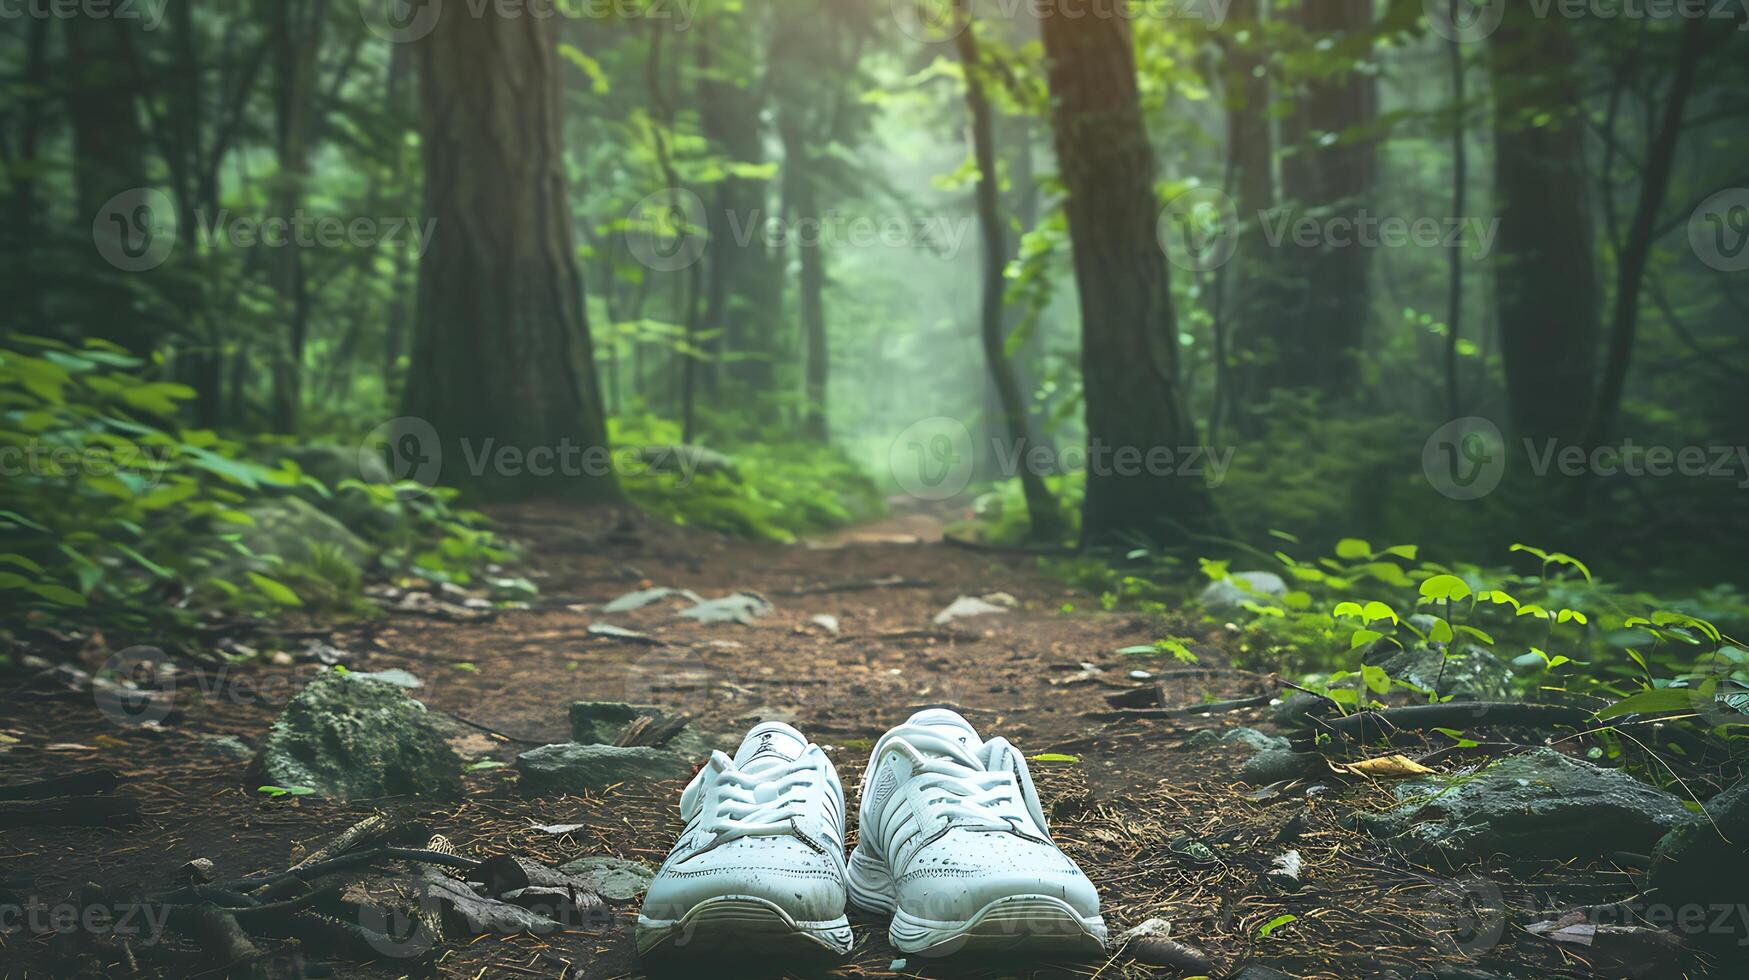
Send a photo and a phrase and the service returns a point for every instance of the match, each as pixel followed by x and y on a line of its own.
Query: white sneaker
pixel 760 864
pixel 954 846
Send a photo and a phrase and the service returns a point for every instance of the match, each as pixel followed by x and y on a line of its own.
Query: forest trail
pixel 1164 832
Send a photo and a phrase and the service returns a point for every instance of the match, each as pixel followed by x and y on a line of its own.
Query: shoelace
pixel 740 812
pixel 972 798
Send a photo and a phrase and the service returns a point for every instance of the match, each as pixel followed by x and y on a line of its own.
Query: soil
pixel 1164 831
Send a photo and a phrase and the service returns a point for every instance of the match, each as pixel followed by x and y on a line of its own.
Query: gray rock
pixel 228 746
pixel 293 529
pixel 572 768
pixel 352 740
pixel 1470 673
pixel 1294 710
pixel 614 879
pixel 394 676
pixel 1275 765
pixel 1696 865
pixel 1248 737
pixel 1227 597
pixel 600 722
pixel 1540 805
pixel 739 607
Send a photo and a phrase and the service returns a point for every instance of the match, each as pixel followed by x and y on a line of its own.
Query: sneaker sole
pixel 732 922
pixel 1040 924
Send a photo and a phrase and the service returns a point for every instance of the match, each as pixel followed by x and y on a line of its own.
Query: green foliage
pixel 776 491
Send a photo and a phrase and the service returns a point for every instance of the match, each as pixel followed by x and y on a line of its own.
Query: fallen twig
pixel 85 782
pixel 1369 725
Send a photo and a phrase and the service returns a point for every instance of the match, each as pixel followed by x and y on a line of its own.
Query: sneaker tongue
pixel 771 743
pixel 958 734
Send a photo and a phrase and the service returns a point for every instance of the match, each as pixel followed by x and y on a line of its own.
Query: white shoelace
pixel 741 813
pixel 972 798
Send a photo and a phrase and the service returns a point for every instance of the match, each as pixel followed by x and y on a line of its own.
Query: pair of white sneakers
pixel 952 844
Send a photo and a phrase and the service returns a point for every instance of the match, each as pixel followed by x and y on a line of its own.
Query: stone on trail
pixel 614 879
pixel 644 597
pixel 1276 765
pixel 1467 673
pixel 966 606
pixel 1248 737
pixel 1228 596
pixel 350 740
pixel 569 767
pixel 294 530
pixel 738 607
pixel 1536 806
pixel 600 723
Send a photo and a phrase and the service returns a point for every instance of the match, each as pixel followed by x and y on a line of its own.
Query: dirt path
pixel 1164 831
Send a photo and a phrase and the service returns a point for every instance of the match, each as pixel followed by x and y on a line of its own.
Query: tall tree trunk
pixel 1548 296
pixel 1319 343
pixel 1254 315
pixel 21 235
pixel 395 321
pixel 741 291
pixel 298 26
pixel 802 192
pixel 1128 331
pixel 500 296
pixel 1460 173
pixel 1041 509
pixel 1637 250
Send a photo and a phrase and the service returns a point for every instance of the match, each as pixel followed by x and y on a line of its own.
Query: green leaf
pixel 21 562
pixel 1445 588
pixel 1654 701
pixel 1054 757
pixel 1353 548
pixel 1376 611
pixel 1376 678
pixel 1440 633
pixel 275 590
pixel 1264 930
pixel 1363 637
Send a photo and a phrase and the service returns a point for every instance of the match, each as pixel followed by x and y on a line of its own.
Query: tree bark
pixel 1319 342
pixel 1460 171
pixel 1548 296
pixel 298 26
pixel 1041 509
pixel 1642 234
pixel 500 296
pixel 802 191
pixel 1253 317
pixel 1128 331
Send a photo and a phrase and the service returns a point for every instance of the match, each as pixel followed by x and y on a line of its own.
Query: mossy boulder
pixel 571 767
pixel 350 740
pixel 295 530
pixel 1541 805
pixel 1464 673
